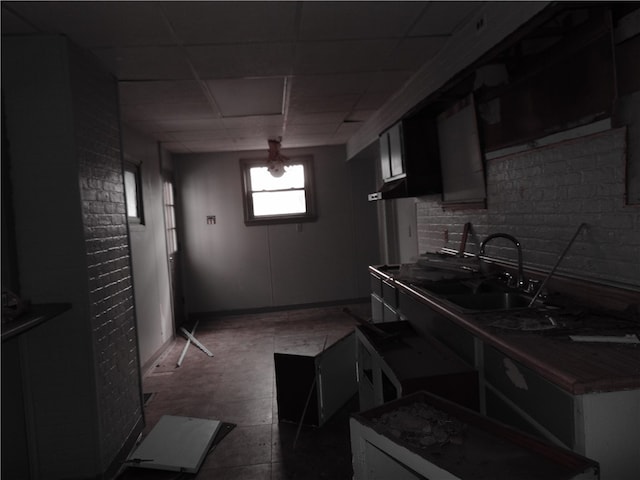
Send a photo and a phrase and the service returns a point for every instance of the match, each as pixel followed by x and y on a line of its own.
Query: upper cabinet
pixel 409 159
pixel 463 176
pixel 391 157
pixel 574 64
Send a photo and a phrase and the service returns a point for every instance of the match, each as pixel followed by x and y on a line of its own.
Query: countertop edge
pixel 567 383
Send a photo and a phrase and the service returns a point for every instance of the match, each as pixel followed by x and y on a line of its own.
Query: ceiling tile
pixel 350 20
pixel 138 92
pixel 241 60
pixel 359 115
pixel 228 145
pixel 389 81
pixel 231 21
pixel 248 96
pixel 342 59
pixel 295 130
pixel 372 101
pixel 99 24
pixel 337 103
pixel 186 124
pixel 158 111
pixel 347 56
pixel 337 84
pixel 175 147
pixel 310 118
pixel 443 18
pixel 146 63
pixel 197 135
pixel 411 53
pixel 252 122
pixel 262 132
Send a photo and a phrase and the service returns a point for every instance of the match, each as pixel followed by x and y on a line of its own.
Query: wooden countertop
pixel 577 368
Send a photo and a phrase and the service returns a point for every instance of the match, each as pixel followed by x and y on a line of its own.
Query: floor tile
pixel 247 472
pixel 257 411
pixel 237 385
pixel 244 445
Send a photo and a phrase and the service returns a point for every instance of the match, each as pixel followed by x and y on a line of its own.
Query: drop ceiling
pixel 227 76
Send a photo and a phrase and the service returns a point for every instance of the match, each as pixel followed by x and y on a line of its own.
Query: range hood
pixel 394 189
pixel 409 159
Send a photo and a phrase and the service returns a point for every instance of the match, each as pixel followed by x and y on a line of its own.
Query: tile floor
pixel 237 385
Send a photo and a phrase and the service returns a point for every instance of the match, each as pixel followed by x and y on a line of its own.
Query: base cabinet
pixel 393 360
pixel 384 447
pixel 604 426
pixel 384 300
pixel 319 381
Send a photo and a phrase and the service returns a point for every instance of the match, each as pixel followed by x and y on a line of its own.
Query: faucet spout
pixel 515 241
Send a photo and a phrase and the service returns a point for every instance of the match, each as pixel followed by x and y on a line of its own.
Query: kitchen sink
pixel 464 287
pixel 490 301
pixel 446 288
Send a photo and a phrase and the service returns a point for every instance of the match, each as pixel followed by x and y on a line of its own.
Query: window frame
pixel 309 191
pixel 134 168
pixel 170 222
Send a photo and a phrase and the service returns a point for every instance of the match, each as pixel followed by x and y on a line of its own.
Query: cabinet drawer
pixel 389 314
pixel 540 399
pixel 377 308
pixel 428 322
pixel 389 294
pixel 376 284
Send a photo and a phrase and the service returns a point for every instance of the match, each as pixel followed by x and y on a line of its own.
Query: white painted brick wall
pixel 541 196
pixel 108 255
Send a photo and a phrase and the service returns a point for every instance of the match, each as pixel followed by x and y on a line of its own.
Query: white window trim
pixel 309 189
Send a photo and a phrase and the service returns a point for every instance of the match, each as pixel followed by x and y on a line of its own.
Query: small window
pixel 133 193
pixel 170 218
pixel 282 198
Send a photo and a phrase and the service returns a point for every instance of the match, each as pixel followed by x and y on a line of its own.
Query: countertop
pixel 575 367
pixel 33 316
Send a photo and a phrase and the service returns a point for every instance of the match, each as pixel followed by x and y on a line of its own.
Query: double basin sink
pixel 477 296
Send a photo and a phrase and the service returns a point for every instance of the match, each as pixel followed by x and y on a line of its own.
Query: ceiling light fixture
pixel 275 162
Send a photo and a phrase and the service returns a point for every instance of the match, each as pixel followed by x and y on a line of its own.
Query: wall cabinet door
pixel 391 153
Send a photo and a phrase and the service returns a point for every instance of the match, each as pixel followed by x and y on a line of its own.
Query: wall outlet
pixel 211 219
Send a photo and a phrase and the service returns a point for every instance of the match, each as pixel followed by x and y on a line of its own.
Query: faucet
pixel 520 279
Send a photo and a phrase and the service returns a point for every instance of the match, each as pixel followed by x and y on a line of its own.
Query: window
pixel 133 193
pixel 170 218
pixel 272 199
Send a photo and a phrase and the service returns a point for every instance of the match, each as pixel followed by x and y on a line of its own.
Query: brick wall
pixel 541 196
pixel 112 313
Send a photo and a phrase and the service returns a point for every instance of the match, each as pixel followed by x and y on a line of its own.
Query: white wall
pixel 229 266
pixel 152 291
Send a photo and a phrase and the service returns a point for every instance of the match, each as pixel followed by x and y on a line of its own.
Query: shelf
pixel 34 315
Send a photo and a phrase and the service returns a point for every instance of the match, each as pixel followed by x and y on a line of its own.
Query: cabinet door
pixel 396 158
pixel 377 309
pixel 385 156
pixel 391 153
pixel 336 370
pixel 539 400
pixel 429 322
